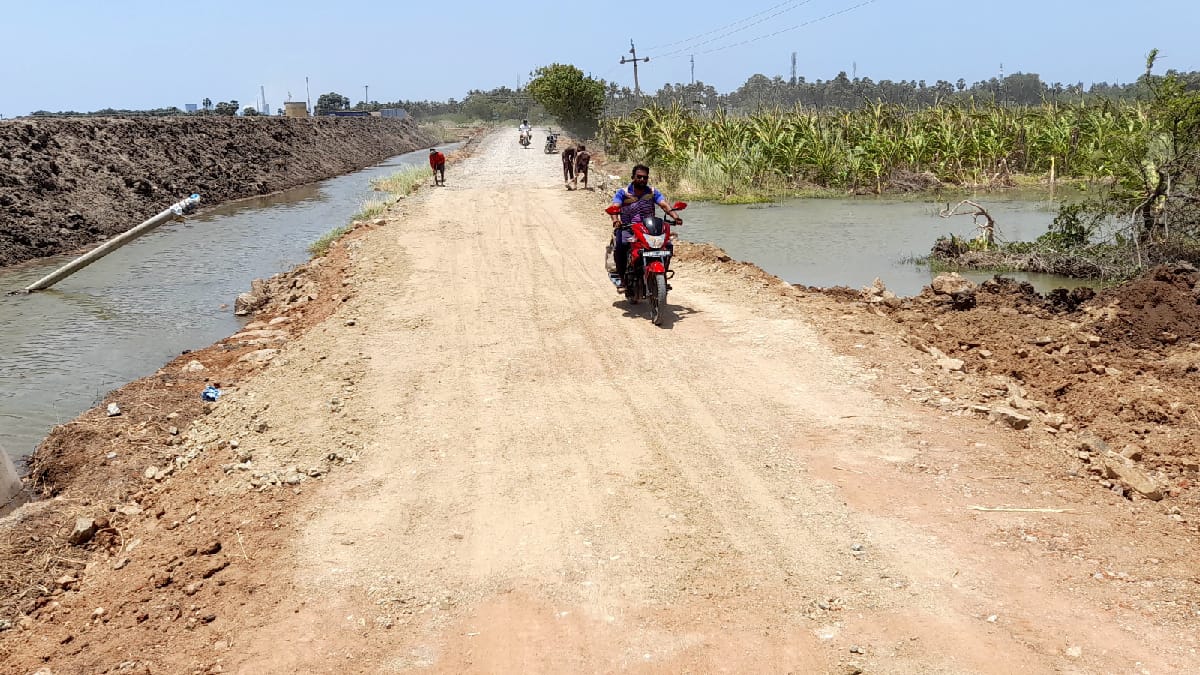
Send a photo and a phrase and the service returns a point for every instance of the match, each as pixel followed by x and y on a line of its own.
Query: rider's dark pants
pixel 621 255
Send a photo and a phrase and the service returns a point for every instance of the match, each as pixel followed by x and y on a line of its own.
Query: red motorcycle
pixel 649 265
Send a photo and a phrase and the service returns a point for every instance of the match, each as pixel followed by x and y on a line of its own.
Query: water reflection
pixel 850 242
pixel 120 318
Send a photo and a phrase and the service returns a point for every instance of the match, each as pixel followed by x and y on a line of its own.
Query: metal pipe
pixel 10 483
pixel 177 210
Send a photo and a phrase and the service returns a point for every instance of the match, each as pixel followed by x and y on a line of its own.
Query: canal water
pixel 850 242
pixel 125 315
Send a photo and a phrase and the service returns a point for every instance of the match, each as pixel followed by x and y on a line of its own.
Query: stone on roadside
pixel 1132 452
pixel 1135 478
pixel 1093 443
pixel 113 410
pixel 258 357
pixel 85 529
pixel 876 292
pixel 949 284
pixel 193 366
pixel 1055 420
pixel 1010 417
pixel 253 299
pixel 951 365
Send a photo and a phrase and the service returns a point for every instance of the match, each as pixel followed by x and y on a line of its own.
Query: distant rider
pixel 525 129
pixel 637 201
pixel 437 162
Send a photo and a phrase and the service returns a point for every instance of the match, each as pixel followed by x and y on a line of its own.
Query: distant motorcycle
pixel 525 139
pixel 649 264
pixel 551 144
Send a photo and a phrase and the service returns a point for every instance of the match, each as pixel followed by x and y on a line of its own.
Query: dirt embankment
pixel 68 183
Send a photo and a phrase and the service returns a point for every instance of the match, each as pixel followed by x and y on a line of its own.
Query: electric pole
pixel 693 69
pixel 366 95
pixel 793 82
pixel 637 90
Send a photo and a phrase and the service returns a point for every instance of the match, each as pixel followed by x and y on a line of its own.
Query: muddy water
pixel 834 242
pixel 122 317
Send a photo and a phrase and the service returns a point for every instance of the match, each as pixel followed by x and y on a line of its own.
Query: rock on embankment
pixel 67 183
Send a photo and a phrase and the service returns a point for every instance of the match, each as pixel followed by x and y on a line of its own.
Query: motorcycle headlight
pixel 655 242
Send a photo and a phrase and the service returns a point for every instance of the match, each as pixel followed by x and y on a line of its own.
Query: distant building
pixel 295 109
pixel 191 107
pixel 398 113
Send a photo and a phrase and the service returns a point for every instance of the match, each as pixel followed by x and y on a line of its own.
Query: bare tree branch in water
pixel 987 231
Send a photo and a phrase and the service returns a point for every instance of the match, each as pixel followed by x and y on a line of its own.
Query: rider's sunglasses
pixel 642 177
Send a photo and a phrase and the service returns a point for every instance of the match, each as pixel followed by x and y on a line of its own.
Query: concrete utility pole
pixel 366 95
pixel 693 69
pixel 637 89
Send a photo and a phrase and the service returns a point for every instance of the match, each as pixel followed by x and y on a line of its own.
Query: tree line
pixel 757 92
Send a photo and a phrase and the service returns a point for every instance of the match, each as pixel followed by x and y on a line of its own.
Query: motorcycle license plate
pixel 655 254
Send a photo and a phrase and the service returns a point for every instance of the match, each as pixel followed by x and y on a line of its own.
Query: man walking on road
pixel 568 160
pixel 582 158
pixel 437 162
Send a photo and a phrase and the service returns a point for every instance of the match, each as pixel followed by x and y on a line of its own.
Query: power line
pixel 783 30
pixel 692 47
pixel 721 28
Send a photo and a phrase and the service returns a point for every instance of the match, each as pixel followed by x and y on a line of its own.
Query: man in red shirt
pixel 437 162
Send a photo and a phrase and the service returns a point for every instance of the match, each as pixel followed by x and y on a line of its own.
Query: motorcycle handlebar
pixel 623 226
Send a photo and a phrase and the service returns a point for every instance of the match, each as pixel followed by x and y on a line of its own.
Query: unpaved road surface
pixel 551 483
pixel 546 482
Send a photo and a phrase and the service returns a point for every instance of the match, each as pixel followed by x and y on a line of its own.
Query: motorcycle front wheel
pixel 658 298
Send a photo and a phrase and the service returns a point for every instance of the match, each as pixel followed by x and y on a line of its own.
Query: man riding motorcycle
pixel 637 201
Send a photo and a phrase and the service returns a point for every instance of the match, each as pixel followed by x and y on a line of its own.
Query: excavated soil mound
pixel 68 183
pixel 1155 310
pixel 1121 367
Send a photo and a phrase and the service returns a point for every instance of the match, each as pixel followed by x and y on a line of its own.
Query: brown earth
pixel 468 454
pixel 68 183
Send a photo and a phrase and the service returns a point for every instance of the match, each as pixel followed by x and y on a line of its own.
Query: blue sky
pixel 70 55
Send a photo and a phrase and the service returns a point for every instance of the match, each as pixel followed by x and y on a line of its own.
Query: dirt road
pixel 550 483
pixel 543 481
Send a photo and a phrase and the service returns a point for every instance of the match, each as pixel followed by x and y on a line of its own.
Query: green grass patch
pixel 403 182
pixel 321 246
pixel 372 208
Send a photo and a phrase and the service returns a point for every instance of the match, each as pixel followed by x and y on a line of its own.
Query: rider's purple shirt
pixel 634 209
